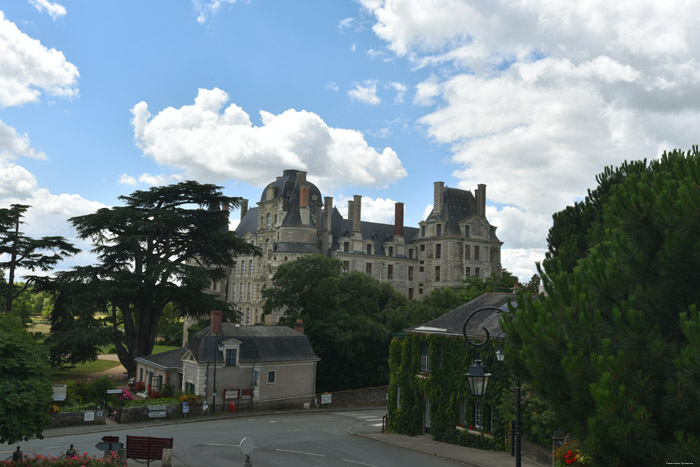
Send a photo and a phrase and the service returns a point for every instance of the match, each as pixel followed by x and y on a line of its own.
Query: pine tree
pixel 615 345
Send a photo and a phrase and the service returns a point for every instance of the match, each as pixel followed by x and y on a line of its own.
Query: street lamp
pixel 219 348
pixel 478 378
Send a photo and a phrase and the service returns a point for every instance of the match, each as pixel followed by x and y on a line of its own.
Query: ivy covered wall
pixel 452 407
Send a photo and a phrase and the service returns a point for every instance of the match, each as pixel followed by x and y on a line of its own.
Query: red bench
pixel 146 448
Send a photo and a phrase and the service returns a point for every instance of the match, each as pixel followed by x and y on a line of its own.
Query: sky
pixel 378 98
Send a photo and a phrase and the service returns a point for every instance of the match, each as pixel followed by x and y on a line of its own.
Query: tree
pixel 23 252
pixel 166 245
pixel 343 319
pixel 25 384
pixel 615 345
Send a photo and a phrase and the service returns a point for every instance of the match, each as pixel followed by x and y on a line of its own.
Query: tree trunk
pixel 13 259
pixel 139 337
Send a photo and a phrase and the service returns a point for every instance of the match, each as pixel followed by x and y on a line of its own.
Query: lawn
pixel 84 369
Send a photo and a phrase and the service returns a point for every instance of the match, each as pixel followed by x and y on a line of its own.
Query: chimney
pixel 328 213
pixel 398 219
pixel 299 326
pixel 304 196
pixel 216 319
pixel 244 208
pixel 481 200
pixel 225 207
pixel 356 213
pixel 438 189
pixel 301 176
pixel 350 209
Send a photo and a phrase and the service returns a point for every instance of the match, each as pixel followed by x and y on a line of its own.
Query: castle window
pixel 467 272
pixel 422 248
pixel 250 290
pixel 410 273
pixel 235 268
pixel 368 268
pixel 250 267
pixel 231 353
pixel 410 293
pixel 391 251
pixel 438 251
pixel 476 252
pixel 467 251
pixel 346 246
pixel 410 253
pixel 439 230
pixel 422 231
pixel 420 269
pixel 390 272
pixel 268 225
pixel 437 273
pixel 424 357
pixel 466 230
pixel 369 249
pixel 420 291
pixel 476 272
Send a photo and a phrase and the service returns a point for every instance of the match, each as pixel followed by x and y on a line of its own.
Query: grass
pixel 163 348
pixel 85 369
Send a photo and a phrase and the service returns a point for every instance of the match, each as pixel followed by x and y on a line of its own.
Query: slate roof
pixel 375 231
pixel 451 323
pixel 287 185
pixel 249 223
pixel 169 360
pixel 258 344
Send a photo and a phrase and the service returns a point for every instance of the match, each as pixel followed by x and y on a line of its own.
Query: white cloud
pixel 211 143
pixel 13 145
pixel 127 180
pixel 27 67
pixel 373 209
pixel 400 89
pixel 536 97
pixel 521 262
pixel 207 8
pixel 345 24
pixel 54 9
pixel 366 93
pixel 332 86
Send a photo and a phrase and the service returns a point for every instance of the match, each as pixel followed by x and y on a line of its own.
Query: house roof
pixel 169 360
pixel 258 344
pixel 451 323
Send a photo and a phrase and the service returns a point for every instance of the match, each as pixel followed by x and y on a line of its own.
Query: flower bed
pixel 37 460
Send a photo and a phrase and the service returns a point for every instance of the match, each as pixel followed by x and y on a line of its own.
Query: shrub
pixel 37 460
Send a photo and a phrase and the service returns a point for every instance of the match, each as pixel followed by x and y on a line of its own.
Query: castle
pixel 292 220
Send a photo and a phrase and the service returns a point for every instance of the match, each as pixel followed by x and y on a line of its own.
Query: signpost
pixel 114 391
pixel 156 411
pixel 247 446
pixel 326 398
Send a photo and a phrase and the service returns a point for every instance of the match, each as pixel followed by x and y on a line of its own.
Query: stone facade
pixel 292 220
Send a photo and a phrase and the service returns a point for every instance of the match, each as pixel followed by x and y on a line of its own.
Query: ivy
pixel 446 387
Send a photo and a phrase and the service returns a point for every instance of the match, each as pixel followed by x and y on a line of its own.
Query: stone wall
pixel 172 411
pixel 62 419
pixel 536 453
pixel 356 398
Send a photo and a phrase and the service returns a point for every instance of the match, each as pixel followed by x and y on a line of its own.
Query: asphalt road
pixel 284 440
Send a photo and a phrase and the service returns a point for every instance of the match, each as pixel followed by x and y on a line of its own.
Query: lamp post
pixel 478 378
pixel 218 348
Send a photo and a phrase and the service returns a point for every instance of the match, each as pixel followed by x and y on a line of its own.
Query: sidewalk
pixel 424 443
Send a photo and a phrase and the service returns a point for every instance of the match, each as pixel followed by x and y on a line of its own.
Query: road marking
pixel 373 419
pixel 227 445
pixel 301 452
pixel 348 413
pixel 377 424
pixel 359 463
pixel 368 416
pixel 300 420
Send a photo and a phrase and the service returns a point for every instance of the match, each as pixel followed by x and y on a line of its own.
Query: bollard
pixel 231 406
pixel 167 458
pixel 247 462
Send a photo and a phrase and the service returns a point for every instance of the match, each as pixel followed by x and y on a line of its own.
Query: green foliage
pixel 87 391
pixel 446 387
pixel 343 317
pixel 25 385
pixel 164 246
pixel 19 251
pixel 445 299
pixel 79 460
pixel 615 346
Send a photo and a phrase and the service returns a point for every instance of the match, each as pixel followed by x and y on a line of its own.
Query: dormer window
pixel 369 249
pixel 268 222
pixel 439 230
pixel 391 251
pixel 422 231
pixel 231 355
pixel 466 230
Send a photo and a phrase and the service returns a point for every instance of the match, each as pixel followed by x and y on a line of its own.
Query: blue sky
pixel 534 99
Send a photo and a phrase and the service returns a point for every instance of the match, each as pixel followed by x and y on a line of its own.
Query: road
pixel 284 440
